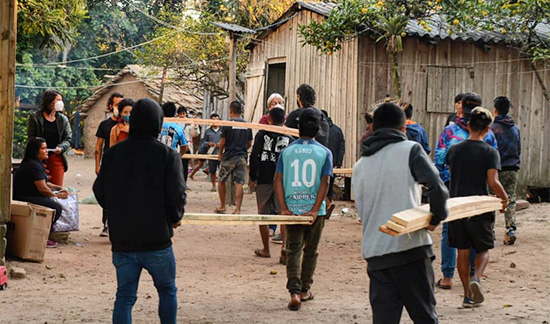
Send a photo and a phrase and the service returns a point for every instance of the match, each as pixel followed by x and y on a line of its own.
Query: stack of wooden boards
pixel 221 219
pixel 411 220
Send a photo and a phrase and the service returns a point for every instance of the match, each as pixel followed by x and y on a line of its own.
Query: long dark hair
pixel 33 146
pixel 47 99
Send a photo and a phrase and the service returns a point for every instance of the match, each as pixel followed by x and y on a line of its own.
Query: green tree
pixel 198 50
pixel 50 23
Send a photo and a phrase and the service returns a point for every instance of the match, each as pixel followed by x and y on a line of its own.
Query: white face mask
pixel 115 111
pixel 59 106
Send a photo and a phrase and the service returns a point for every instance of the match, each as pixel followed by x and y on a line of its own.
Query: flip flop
pixel 309 297
pixel 259 253
pixel 219 211
pixel 439 285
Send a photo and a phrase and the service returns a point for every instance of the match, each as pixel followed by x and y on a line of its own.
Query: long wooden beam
pixel 230 219
pixel 414 219
pixel 215 157
pixel 256 126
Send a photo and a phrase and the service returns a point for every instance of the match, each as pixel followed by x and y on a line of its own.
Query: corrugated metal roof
pixel 234 28
pixel 438 28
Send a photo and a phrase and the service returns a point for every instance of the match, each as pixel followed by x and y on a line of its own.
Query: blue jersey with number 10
pixel 302 164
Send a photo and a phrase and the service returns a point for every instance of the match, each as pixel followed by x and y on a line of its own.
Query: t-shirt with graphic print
pixel 265 153
pixel 302 164
pixel 172 135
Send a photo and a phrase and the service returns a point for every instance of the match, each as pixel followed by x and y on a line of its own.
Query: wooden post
pixel 232 67
pixel 8 32
pixel 162 84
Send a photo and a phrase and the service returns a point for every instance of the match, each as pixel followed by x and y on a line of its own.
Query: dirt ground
pixel 221 281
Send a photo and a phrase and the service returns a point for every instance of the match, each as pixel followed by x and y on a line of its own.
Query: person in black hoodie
pixel 142 215
pixel 263 161
pixel 336 145
pixel 305 98
pixel 508 138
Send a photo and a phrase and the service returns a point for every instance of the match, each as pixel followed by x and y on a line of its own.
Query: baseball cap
pixel 470 101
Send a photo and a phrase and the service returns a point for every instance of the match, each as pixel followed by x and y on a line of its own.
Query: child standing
pixel 301 185
pixel 386 180
pixel 474 164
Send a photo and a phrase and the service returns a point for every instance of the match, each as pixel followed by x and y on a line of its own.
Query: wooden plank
pixel 230 219
pixel 415 219
pixel 343 171
pixel 210 122
pixel 200 156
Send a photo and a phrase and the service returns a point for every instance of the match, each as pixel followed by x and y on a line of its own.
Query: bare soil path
pixel 221 281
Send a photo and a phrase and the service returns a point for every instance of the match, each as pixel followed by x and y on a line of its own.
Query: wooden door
pixel 443 83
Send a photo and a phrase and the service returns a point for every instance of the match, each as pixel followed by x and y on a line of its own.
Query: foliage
pixel 21 119
pixel 199 51
pixel 52 78
pixel 51 23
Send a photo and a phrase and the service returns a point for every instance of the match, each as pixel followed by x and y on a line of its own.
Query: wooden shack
pixel 434 68
pixel 134 82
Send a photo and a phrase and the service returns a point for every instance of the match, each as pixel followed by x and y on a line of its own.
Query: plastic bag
pixel 90 200
pixel 69 216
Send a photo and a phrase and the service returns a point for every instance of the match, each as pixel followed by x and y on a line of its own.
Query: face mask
pixel 126 118
pixel 59 106
pixel 115 111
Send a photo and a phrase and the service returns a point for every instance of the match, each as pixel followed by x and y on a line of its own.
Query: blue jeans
pixel 448 255
pixel 161 265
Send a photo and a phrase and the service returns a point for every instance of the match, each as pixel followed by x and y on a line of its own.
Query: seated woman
pixel 120 131
pixel 30 182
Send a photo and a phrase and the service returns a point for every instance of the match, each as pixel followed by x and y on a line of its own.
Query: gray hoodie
pixel 387 180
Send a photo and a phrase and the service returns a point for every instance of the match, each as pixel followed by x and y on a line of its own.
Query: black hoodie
pixel 141 185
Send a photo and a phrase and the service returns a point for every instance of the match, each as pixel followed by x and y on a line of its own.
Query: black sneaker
pixel 477 292
pixel 469 303
pixel 510 237
pixel 105 232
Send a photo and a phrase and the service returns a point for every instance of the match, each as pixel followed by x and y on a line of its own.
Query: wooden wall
pixel 492 70
pixel 334 77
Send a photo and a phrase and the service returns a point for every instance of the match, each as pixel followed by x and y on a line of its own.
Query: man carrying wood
pixel 386 180
pixel 234 144
pixel 473 164
pixel 263 161
pixel 210 143
pixel 453 134
pixel 301 185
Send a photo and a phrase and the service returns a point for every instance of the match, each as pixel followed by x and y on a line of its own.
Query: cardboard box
pixel 28 230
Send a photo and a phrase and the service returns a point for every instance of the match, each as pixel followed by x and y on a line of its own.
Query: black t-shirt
pixel 450 119
pixel 236 140
pixel 469 162
pixel 104 131
pixel 50 134
pixel 23 181
pixel 265 154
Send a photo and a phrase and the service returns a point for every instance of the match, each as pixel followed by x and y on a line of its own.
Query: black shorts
pixel 473 232
pixel 267 202
pixel 213 166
